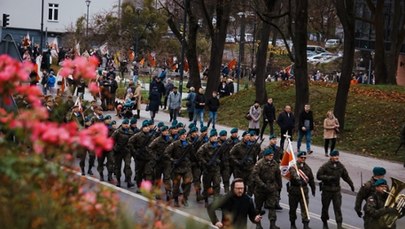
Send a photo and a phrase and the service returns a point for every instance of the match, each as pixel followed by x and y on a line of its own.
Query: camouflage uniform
pixel 364 192
pixel 196 166
pixel 294 191
pixel 163 166
pixel 374 209
pixel 209 157
pixel 92 159
pixel 226 147
pixel 178 152
pixel 122 152
pixel 144 159
pixel 234 141
pixel 330 174
pixel 243 157
pixel 110 159
pixel 267 177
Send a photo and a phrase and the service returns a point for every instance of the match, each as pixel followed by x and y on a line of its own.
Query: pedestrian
pixel 122 152
pixel 168 89
pixel 190 104
pixel 51 83
pixel 213 105
pixel 255 112
pixel 230 86
pixel 286 122
pixel 367 189
pixel 269 115
pixel 330 131
pixel 174 101
pixel 178 152
pixel 300 180
pixel 200 101
pixel 223 89
pixel 267 178
pixel 138 98
pixel 156 91
pixel 236 206
pixel 375 208
pixel 329 174
pixel 305 128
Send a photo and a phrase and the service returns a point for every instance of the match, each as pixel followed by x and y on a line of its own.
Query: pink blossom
pixel 146 185
pixel 93 88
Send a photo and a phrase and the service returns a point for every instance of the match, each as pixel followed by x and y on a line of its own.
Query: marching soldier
pixel 278 155
pixel 138 143
pixel 226 145
pixel 158 146
pixel 374 208
pixel 195 162
pixel 243 160
pixel 301 178
pixel 82 155
pixel 178 152
pixel 368 188
pixel 329 174
pixel 234 140
pixel 133 125
pixel 97 115
pixel 76 115
pixel 209 156
pixel 106 154
pixel 267 177
pixel 122 152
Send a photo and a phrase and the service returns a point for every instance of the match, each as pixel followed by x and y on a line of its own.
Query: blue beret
pixel 252 133
pixel 163 128
pixel 302 154
pixel 379 171
pixel 133 121
pixel 380 182
pixel 180 125
pixel 125 121
pixel 213 133
pixel 107 117
pixel 160 124
pixel 113 122
pixel 191 125
pixel 223 133
pixel 268 151
pixel 174 123
pixel 145 123
pixel 234 130
pixel 193 129
pixel 245 133
pixel 334 153
pixel 272 136
pixel 182 131
pixel 204 128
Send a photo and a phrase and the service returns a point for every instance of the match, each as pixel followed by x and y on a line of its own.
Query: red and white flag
pixel 286 163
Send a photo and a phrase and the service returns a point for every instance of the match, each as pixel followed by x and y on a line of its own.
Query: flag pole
pixel 304 200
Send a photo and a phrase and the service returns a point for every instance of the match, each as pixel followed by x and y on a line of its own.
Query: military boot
pixel 176 202
pixel 199 197
pixel 273 225
pixel 278 207
pixel 293 226
pixel 109 177
pixel 90 172
pixel 339 226
pixel 83 173
pixel 306 225
pixel 325 225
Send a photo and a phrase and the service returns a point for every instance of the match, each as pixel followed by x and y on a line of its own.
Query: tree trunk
pixel 379 63
pixel 261 94
pixel 194 71
pixel 300 51
pixel 217 35
pixel 345 12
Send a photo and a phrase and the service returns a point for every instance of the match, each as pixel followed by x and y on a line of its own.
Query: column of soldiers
pixel 183 159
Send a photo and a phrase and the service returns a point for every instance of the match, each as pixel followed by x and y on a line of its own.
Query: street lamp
pixel 241 46
pixel 87 20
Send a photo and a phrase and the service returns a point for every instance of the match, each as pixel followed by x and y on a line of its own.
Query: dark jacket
pixel 235 210
pixel 200 98
pixel 121 137
pixel 306 116
pixel 286 122
pixel 223 90
pixel 330 174
pixel 213 104
pixel 269 112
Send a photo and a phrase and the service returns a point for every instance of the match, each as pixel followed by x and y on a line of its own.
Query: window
pixel 53 12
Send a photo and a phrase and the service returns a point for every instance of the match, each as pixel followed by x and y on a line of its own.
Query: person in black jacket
pixel 199 107
pixel 269 115
pixel 286 121
pixel 213 105
pixel 305 127
pixel 236 206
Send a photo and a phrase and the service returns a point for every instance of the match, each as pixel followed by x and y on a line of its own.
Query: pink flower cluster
pixel 80 67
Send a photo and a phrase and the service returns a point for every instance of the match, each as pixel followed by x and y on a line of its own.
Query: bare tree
pixel 322 18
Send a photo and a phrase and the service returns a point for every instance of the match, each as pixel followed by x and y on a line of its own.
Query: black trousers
pixel 264 127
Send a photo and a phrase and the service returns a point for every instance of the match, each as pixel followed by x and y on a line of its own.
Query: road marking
pixel 118 189
pixel 318 217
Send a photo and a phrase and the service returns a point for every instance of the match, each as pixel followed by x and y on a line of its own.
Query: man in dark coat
pixel 156 91
pixel 213 105
pixel 305 127
pixel 286 122
pixel 269 115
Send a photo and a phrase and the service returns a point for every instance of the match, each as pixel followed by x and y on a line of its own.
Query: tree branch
pixel 364 20
pixel 207 19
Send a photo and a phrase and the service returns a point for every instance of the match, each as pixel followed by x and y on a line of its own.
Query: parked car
pixel 316 49
pixel 332 43
pixel 248 37
pixel 230 38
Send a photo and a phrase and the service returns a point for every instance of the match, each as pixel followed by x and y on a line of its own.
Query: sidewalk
pixel 359 167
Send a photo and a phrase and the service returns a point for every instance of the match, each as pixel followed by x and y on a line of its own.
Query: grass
pixel 374 116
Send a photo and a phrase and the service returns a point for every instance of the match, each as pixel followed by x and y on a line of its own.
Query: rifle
pixel 141 151
pixel 217 153
pixel 247 159
pixel 177 162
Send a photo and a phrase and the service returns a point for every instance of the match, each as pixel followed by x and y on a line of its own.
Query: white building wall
pixel 26 14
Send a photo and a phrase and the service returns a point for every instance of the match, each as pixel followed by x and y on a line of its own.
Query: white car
pixel 230 38
pixel 332 43
pixel 321 58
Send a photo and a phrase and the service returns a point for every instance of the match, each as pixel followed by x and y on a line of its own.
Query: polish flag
pixel 286 163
